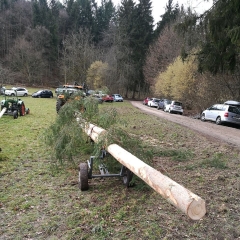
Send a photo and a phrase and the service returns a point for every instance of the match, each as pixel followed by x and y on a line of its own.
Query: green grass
pixel 41 201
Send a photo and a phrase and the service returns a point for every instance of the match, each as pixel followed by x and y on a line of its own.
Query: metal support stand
pixel 85 172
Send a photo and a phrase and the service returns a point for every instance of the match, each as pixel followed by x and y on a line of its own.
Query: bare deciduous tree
pixel 23 58
pixel 78 55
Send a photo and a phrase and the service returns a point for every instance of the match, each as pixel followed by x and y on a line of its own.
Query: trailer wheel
pixel 127 176
pixel 83 176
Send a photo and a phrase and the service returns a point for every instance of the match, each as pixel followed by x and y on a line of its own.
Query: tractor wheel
pixel 127 176
pixel 27 110
pixel 59 104
pixel 15 114
pixel 83 176
pixel 22 109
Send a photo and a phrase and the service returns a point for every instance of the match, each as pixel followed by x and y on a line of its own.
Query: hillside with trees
pixel 190 57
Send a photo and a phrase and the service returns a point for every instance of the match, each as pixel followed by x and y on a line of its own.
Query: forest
pixel 185 56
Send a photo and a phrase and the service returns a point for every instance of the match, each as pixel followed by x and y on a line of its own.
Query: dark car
pixel 162 103
pixel 43 94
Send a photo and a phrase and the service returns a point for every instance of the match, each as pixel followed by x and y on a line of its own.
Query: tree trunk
pixel 189 203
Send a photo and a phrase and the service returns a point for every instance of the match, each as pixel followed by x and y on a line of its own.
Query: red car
pixel 145 101
pixel 107 98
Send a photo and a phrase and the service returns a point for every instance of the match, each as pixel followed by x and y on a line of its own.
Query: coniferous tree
pixel 143 38
pixel 220 50
pixel 4 4
pixel 170 15
pixel 104 16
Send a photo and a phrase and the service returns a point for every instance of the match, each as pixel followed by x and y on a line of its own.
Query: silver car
pixel 222 113
pixel 117 98
pixel 173 107
pixel 19 91
pixel 153 102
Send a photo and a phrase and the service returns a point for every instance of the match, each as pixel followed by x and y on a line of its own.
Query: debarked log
pixel 3 111
pixel 189 203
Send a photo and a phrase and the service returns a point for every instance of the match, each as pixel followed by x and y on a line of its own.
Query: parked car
pixel 162 103
pixel 2 90
pixel 145 100
pixel 232 103
pixel 174 107
pixel 153 102
pixel 99 99
pixel 107 98
pixel 19 91
pixel 117 98
pixel 43 94
pixel 222 113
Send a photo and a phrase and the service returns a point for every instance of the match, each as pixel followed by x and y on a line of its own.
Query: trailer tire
pixel 127 176
pixel 83 176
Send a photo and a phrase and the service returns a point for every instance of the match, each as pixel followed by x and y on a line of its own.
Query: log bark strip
pixel 189 203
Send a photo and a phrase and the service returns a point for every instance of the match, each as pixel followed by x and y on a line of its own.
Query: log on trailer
pixel 3 111
pixel 189 203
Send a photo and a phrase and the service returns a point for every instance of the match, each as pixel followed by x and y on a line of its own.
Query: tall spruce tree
pixel 104 16
pixel 220 50
pixel 170 15
pixel 81 14
pixel 136 23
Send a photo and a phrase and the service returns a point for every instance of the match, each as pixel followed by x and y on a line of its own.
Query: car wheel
pixel 169 110
pixel 180 113
pixel 203 117
pixel 25 95
pixel 83 176
pixel 12 94
pixel 218 121
pixel 39 96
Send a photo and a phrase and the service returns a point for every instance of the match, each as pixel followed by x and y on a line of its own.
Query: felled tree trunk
pixel 189 203
pixel 3 111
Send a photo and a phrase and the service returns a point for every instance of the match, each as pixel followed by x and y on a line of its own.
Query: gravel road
pixel 227 134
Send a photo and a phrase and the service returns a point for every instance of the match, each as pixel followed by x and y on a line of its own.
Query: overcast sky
pixel 158 6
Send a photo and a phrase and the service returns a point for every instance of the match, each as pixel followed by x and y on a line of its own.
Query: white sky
pixel 158 6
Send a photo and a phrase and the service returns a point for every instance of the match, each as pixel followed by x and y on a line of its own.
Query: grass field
pixel 38 201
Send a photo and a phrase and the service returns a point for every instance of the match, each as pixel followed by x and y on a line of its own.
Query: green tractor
pixel 14 107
